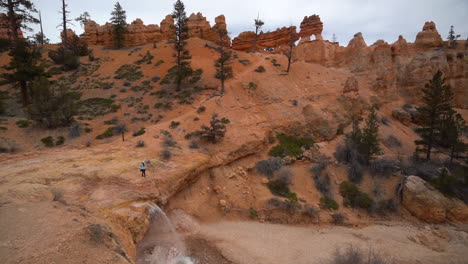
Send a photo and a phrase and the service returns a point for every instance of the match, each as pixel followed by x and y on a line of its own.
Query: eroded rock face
pixel 351 85
pixel 275 39
pixel 139 34
pixel 5 31
pixel 428 37
pixel 429 205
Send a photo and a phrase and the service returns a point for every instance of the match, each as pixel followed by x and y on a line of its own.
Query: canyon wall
pixel 139 34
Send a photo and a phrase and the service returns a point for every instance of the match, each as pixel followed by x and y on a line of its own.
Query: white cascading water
pixel 161 244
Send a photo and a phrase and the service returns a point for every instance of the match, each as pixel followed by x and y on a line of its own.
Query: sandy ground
pixel 258 243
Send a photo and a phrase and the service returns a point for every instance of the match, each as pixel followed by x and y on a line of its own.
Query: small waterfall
pixel 161 243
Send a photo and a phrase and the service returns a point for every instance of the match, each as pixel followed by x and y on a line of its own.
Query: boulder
pixel 402 116
pixel 429 205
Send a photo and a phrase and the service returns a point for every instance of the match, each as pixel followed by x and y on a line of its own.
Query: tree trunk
pixel 255 41
pixel 123 137
pixel 24 93
pixel 13 27
pixel 64 18
pixel 42 32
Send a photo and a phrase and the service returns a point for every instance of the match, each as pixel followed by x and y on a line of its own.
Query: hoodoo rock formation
pixel 282 36
pixel 311 26
pixel 5 31
pixel 428 37
pixel 140 34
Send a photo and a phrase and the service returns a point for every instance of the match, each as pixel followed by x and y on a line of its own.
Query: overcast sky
pixel 376 19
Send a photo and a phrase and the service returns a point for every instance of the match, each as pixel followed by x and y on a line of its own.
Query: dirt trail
pixel 257 243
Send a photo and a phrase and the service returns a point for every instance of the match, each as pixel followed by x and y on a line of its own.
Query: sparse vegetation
pixel 279 188
pixel 290 146
pixel 268 167
pixel 139 132
pixel 8 145
pixel 60 141
pixel 354 255
pixel 260 69
pixel 253 213
pixel 253 86
pixel 48 141
pixel 22 123
pixel 174 124
pixel 201 109
pixel 129 72
pixel 166 154
pixel 328 203
pixel 339 219
pixel 140 144
pixel 106 134
pixel 353 197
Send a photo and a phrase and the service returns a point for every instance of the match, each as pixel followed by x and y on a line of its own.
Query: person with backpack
pixel 143 169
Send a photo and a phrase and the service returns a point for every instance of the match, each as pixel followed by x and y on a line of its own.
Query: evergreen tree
pixel 23 68
pixel 437 97
pixel 356 133
pixel 370 142
pixel 119 22
pixel 182 70
pixel 51 106
pixel 452 38
pixel 258 25
pixel 19 14
pixel 215 131
pixel 292 39
pixel 453 130
pixel 83 19
pixel 223 68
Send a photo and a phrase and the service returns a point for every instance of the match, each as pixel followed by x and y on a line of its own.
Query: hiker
pixel 143 169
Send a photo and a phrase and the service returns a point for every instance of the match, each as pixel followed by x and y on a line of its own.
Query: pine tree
pixel 215 131
pixel 258 25
pixel 65 20
pixel 370 142
pixel 356 133
pixel 292 39
pixel 223 68
pixel 19 14
pixel 119 22
pixel 437 97
pixel 182 70
pixel 453 128
pixel 23 68
pixel 452 38
pixel 83 19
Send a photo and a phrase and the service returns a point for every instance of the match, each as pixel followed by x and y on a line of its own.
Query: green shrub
pixel 253 86
pixel 159 62
pixel 268 167
pixel 290 146
pixel 106 134
pixel 244 62
pixel 22 123
pixel 48 141
pixel 225 121
pixel 353 197
pixel 139 132
pixel 201 109
pixel 328 203
pixel 275 63
pixel 279 188
pixel 60 141
pixel 260 69
pixel 253 213
pixel 146 59
pixel 88 130
pixel 174 124
pixel 97 106
pixel 445 182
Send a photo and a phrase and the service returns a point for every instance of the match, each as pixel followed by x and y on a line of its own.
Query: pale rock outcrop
pixel 429 205
pixel 428 37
